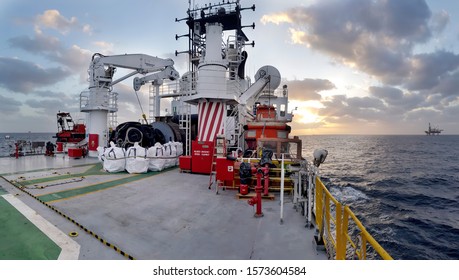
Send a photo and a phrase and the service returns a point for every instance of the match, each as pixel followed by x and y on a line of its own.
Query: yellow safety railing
pixel 334 229
pixel 325 220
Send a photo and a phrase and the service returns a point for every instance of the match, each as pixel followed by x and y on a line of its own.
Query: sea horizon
pixel 291 134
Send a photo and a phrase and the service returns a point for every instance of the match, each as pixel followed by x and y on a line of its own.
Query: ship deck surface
pixel 159 215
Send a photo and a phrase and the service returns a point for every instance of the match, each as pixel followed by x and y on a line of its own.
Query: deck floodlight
pixel 319 156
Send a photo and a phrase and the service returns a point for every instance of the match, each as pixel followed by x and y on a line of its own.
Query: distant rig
pixel 433 131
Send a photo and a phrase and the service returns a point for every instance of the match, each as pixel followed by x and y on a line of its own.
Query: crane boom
pixel 252 93
pixel 157 78
pixel 141 62
pixel 99 100
pixel 102 68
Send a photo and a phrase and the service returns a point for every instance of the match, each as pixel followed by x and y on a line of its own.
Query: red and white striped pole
pixel 211 120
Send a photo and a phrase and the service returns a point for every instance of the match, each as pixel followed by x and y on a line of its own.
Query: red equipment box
pixel 75 152
pixel 185 163
pixel 202 156
pixel 225 169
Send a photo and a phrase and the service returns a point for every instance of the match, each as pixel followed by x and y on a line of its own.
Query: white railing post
pixel 310 176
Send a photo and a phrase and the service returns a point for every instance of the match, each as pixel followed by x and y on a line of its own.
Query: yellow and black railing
pixel 334 222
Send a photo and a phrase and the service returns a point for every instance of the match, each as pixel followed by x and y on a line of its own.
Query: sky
pixel 351 66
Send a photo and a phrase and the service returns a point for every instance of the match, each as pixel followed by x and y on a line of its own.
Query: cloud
pixel 423 114
pixel 298 36
pixel 448 86
pixel 39 43
pixel 439 21
pixel 276 18
pixel 68 101
pixel 75 58
pixel 52 19
pixel 366 103
pixel 308 89
pixel 450 114
pixel 396 98
pixel 23 76
pixel 339 108
pixel 87 29
pixel 376 37
pixel 387 109
pixel 105 48
pixel 9 105
pixel 429 70
pixel 46 105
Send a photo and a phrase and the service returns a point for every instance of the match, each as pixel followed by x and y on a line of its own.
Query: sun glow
pixel 306 116
pixel 306 111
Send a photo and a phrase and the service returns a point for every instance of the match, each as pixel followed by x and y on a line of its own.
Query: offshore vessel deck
pixel 136 206
pixel 157 215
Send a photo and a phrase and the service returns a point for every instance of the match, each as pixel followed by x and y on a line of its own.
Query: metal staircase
pixel 238 127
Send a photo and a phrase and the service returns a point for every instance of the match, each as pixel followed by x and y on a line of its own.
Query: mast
pixel 215 63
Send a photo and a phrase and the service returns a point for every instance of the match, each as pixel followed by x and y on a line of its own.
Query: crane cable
pixel 141 109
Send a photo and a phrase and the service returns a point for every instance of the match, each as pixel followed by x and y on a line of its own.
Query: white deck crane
pixel 99 100
pixel 156 80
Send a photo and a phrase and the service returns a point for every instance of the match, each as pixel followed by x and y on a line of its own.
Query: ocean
pixel 404 189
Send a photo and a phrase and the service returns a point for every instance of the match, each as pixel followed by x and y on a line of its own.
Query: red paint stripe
pixel 219 122
pixel 210 121
pixel 201 116
pixel 202 119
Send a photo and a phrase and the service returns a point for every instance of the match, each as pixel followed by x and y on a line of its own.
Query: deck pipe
pixel 257 200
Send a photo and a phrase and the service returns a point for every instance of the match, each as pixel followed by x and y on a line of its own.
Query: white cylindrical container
pixel 212 70
pixel 97 124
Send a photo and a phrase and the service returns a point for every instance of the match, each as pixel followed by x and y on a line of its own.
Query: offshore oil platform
pixel 433 131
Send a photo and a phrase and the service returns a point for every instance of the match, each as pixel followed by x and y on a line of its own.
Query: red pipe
pixel 17 150
pixel 257 199
pixel 266 179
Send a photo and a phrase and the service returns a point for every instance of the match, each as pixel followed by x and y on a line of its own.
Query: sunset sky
pixel 352 66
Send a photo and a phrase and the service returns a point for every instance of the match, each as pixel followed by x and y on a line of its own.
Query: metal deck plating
pixel 158 215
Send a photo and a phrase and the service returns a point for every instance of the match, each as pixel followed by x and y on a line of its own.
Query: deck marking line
pixel 45 169
pixel 70 248
pixel 121 252
pixel 56 196
pixel 90 185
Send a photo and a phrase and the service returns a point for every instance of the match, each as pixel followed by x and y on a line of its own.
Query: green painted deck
pixel 93 188
pixel 22 240
pixel 93 170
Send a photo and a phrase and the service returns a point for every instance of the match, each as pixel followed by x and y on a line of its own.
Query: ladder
pixel 219 151
pixel 151 104
pixel 185 124
pixel 113 109
pixel 237 132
